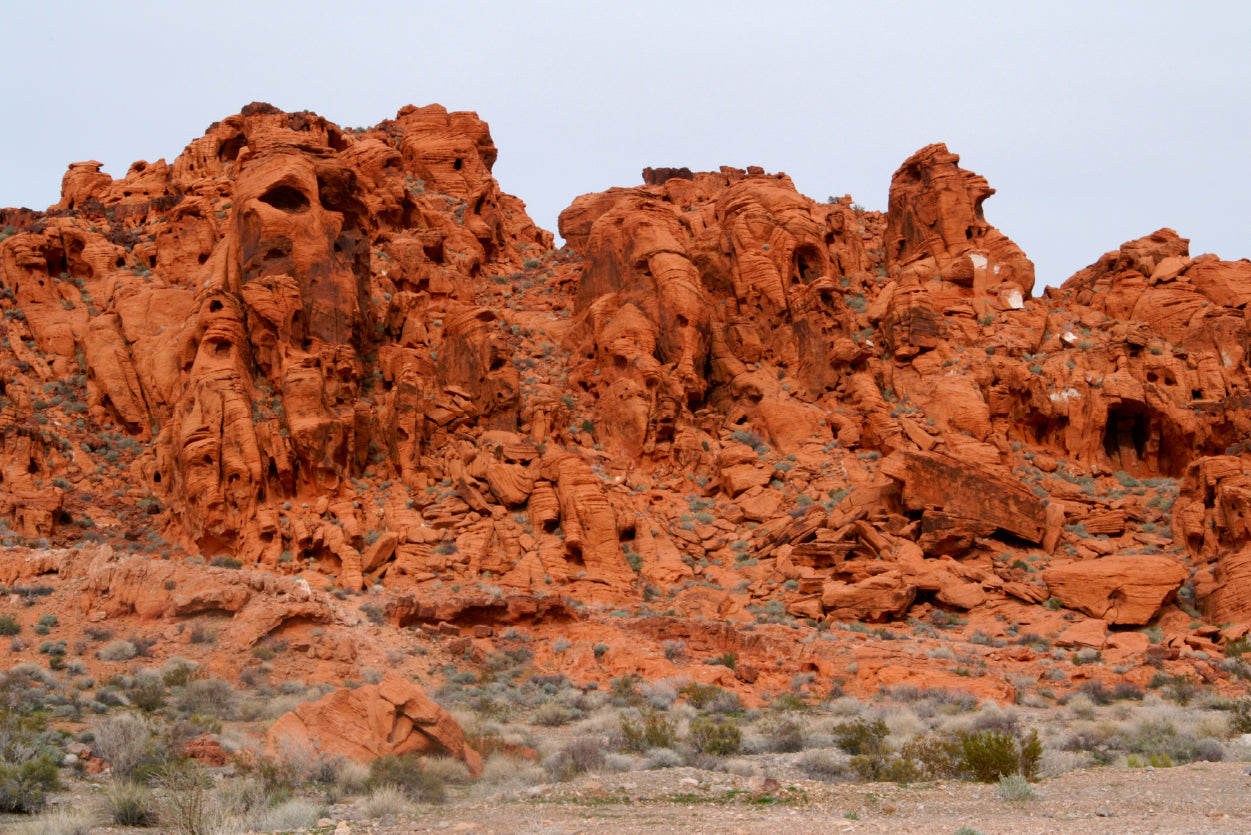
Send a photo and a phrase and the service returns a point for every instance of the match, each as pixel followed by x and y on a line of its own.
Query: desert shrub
pixel 988 755
pixel 503 770
pixel 63 821
pixel 586 753
pixel 186 801
pixel 659 694
pixel 132 744
pixel 553 715
pixel 1160 737
pixel 937 756
pixel 862 736
pixel 714 736
pixel 127 803
pixel 674 649
pixel 9 626
pixel 208 697
pixel 881 767
pixel 118 651
pixel 1015 789
pixel 178 671
pixel 712 698
pixel 20 730
pixel 783 731
pixel 147 694
pixel 647 730
pixel 408 773
pixel 243 798
pixel 296 813
pixel 352 777
pixel 383 801
pixel 1240 717
pixel 822 764
pixel 448 769
pixel 24 786
pixel 625 690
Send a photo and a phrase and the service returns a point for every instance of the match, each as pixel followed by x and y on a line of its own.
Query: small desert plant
pixel 583 754
pixel 1015 789
pixel 64 821
pixel 1240 717
pixel 714 736
pixel 296 813
pixel 186 805
pixel 783 731
pixel 208 697
pixel 24 787
pixel 553 715
pixel 383 801
pixel 127 803
pixel 862 736
pixel 712 698
pixel 408 773
pixel 118 651
pixel 822 764
pixel 989 755
pixel 647 730
pixel 132 744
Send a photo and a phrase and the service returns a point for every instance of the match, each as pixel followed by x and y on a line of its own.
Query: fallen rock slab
pixel 1119 589
pixel 394 716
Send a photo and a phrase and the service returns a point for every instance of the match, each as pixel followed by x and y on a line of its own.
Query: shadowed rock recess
pixel 331 390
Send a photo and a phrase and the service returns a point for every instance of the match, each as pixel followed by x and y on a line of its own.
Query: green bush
pixel 651 729
pixel 938 757
pixel 988 755
pixel 408 774
pixel 24 787
pixel 1240 717
pixel 711 697
pixel 9 625
pixel 714 736
pixel 862 736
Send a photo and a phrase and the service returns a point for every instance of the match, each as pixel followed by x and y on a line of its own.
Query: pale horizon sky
pixel 1096 123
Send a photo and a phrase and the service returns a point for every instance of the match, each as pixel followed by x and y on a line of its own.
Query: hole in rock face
pixel 1143 442
pixel 807 264
pixel 286 198
pixel 228 151
pixel 458 164
pixel 215 306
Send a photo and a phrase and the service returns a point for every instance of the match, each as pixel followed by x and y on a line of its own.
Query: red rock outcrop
pixel 1122 589
pixel 392 717
pixel 936 230
pixel 344 360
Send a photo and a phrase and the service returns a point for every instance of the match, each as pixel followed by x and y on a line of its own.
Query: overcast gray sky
pixel 1097 122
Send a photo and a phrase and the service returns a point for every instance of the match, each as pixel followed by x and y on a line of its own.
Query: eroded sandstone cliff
pixel 325 359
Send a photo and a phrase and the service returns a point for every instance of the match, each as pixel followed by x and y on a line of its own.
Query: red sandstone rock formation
pixel 346 359
pixel 392 717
